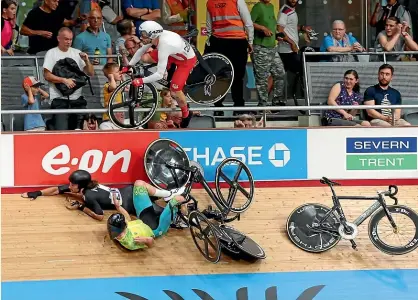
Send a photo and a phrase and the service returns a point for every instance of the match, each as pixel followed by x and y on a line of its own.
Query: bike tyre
pixel 121 88
pixel 374 237
pixel 291 219
pixel 221 67
pixel 223 201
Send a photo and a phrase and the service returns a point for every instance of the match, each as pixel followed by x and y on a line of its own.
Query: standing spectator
pixel 8 22
pixel 392 9
pixel 42 25
pixel 94 41
pixel 175 15
pixel 395 38
pixel 126 29
pixel 141 11
pixel 75 100
pixel 265 57
pixel 287 24
pixel 340 41
pixel 230 32
pixel 346 92
pixel 383 94
pixel 30 100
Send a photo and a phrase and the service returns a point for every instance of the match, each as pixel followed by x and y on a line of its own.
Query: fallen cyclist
pixel 150 223
pixel 93 198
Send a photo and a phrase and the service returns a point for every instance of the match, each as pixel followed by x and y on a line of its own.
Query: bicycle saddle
pixel 325 180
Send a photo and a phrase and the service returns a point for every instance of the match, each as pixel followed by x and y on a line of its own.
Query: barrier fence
pixel 264 110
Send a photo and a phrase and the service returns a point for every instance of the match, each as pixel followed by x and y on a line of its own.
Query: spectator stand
pixel 321 76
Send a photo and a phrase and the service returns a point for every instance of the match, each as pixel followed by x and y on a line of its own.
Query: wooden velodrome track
pixel 43 240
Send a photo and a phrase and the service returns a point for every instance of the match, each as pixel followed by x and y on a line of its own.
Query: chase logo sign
pixel 270 154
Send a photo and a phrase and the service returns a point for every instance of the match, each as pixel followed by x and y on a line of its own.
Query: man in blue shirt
pixel 383 94
pixel 93 41
pixel 141 10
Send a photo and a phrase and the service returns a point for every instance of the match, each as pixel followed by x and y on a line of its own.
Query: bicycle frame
pixel 339 213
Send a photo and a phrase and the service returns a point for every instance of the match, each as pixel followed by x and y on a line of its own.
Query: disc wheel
pixel 228 174
pixel 204 236
pixel 303 228
pixel 156 156
pixel 384 236
pixel 204 89
pixel 123 97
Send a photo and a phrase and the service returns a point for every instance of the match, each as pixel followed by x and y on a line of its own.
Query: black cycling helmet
pixel 80 177
pixel 115 225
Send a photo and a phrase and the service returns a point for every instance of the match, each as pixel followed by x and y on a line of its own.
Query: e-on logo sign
pixel 385 153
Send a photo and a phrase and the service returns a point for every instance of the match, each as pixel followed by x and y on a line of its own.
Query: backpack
pixel 68 68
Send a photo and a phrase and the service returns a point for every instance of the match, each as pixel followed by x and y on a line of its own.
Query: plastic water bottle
pixel 96 60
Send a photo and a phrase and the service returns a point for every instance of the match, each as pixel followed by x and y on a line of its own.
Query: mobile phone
pixel 280 35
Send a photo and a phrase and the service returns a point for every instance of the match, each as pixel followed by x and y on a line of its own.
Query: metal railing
pixel 264 110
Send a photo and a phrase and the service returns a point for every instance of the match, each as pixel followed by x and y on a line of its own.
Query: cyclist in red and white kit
pixel 170 49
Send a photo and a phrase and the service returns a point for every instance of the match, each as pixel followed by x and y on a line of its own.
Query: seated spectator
pixel 392 9
pixel 94 41
pixel 42 25
pixel 8 22
pixel 75 100
pixel 340 41
pixel 31 99
pixel 248 121
pixel 346 92
pixel 126 29
pixel 90 122
pixel 383 94
pixel 132 45
pixel 140 11
pixel 114 77
pixel 395 38
pixel 166 120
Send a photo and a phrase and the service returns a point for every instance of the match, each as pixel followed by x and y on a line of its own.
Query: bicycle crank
pixel 349 234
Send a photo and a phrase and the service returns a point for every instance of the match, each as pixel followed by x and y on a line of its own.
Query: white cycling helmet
pixel 150 29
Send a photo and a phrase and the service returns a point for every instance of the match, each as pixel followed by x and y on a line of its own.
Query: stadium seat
pixel 203 122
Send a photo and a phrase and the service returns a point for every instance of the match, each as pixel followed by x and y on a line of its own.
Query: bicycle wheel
pixel 202 88
pixel 303 228
pixel 122 97
pixel 230 170
pixel 203 230
pixel 406 234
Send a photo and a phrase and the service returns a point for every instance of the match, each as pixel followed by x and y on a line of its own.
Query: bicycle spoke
pixel 132 115
pixel 120 105
pixel 224 177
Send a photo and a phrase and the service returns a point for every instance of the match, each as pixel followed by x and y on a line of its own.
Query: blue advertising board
pixel 270 154
pixel 341 285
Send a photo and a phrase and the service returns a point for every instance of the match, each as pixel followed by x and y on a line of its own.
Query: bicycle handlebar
pixel 391 194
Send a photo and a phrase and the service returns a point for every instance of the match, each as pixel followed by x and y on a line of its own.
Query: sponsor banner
pixel 375 153
pixel 270 154
pixel 110 157
pixel 6 160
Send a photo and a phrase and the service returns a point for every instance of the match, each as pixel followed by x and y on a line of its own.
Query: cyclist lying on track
pixel 170 49
pixel 137 234
pixel 94 197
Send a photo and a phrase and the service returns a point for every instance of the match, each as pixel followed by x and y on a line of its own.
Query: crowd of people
pixel 270 39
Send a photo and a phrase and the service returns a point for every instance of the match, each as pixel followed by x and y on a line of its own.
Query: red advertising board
pixel 48 159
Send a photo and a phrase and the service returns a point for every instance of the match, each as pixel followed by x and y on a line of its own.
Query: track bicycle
pixel 317 228
pixel 168 167
pixel 208 82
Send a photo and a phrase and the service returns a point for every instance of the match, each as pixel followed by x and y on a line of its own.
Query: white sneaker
pixel 175 193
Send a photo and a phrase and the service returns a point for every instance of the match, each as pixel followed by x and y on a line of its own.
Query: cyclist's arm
pixel 138 54
pixel 161 67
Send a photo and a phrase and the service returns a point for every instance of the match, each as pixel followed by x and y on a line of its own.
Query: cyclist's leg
pixel 167 216
pixel 142 191
pixel 177 84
